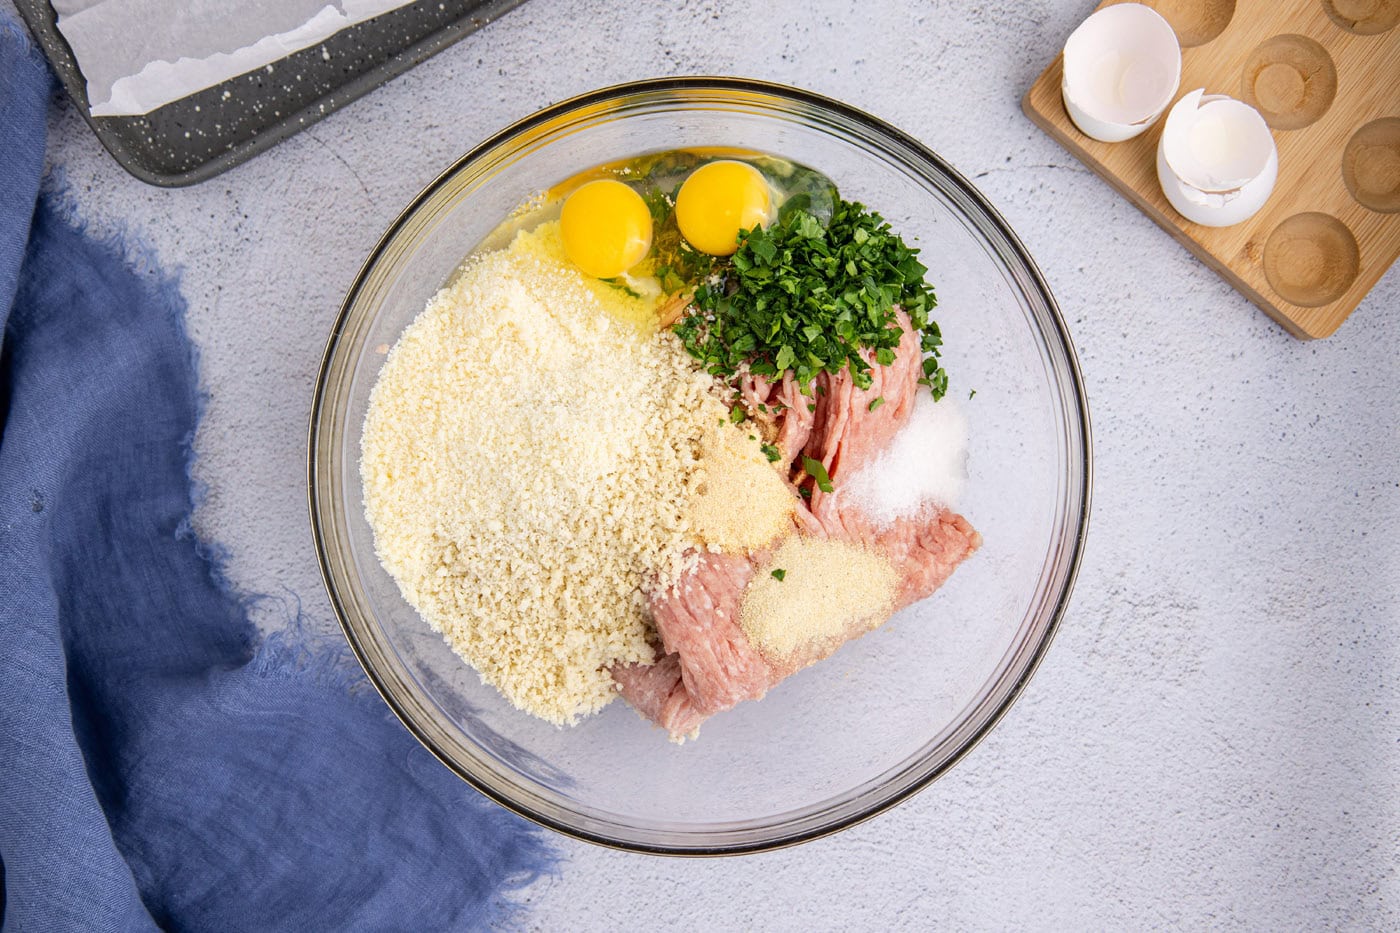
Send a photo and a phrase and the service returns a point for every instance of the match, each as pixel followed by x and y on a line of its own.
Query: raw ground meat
pixel 706 663
pixel 846 434
pixel 784 408
pixel 842 432
pixel 658 692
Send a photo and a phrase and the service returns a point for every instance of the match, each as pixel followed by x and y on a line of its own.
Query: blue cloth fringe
pixel 160 766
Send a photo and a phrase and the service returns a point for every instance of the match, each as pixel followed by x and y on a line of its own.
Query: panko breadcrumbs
pixel 529 462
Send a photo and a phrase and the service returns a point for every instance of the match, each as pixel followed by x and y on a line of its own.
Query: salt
pixel 924 466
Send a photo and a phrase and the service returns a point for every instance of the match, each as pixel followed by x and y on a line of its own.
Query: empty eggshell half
pixel 1216 161
pixel 1122 66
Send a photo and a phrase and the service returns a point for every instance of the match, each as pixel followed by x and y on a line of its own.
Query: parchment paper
pixel 138 55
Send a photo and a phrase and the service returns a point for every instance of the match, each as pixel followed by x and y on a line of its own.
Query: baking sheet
pixel 209 131
pixel 137 55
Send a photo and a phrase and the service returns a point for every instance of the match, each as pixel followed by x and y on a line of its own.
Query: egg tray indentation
pixel 1371 165
pixel 1291 80
pixel 1363 17
pixel 1311 259
pixel 1196 21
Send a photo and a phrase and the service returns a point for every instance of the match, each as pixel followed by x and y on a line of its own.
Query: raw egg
pixel 717 201
pixel 606 228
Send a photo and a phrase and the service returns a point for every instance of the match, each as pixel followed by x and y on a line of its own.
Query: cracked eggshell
pixel 1122 66
pixel 1216 160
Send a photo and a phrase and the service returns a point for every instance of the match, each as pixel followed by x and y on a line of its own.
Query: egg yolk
pixel 717 201
pixel 606 228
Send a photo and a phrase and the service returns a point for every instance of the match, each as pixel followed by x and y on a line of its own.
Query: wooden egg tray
pixel 1325 74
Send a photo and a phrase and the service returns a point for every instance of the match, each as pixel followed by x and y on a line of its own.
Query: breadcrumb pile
pixel 530 464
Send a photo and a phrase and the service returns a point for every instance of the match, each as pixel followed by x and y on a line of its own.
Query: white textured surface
pixel 1214 739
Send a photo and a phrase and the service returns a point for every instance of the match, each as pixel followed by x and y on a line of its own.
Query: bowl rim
pixel 693 83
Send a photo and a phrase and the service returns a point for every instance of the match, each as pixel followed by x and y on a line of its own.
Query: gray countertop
pixel 1214 738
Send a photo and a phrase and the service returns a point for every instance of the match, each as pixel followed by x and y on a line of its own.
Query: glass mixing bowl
pixel 887 713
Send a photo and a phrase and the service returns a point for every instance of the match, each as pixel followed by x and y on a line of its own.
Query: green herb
pixel 622 286
pixel 658 205
pixel 972 395
pixel 676 263
pixel 736 414
pixel 876 403
pixel 818 472
pixel 771 452
pixel 803 297
pixel 779 574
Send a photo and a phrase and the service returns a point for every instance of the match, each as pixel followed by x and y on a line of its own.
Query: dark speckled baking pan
pixel 210 131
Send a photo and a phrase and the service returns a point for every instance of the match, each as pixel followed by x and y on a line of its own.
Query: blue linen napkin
pixel 159 766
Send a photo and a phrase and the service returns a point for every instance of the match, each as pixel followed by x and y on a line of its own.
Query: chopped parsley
pixel 876 403
pixel 676 263
pixel 779 574
pixel 771 452
pixel 818 472
pixel 809 298
pixel 736 414
pixel 621 285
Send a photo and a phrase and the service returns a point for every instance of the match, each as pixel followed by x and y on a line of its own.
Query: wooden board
pixel 1331 228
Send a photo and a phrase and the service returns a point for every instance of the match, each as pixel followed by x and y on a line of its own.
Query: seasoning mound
pixel 815 591
pixel 924 467
pixel 528 458
pixel 739 503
